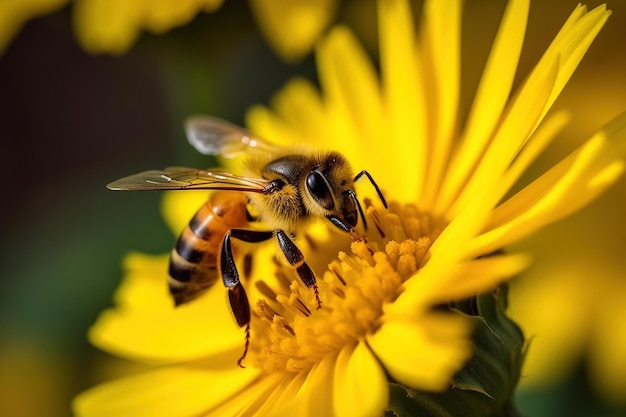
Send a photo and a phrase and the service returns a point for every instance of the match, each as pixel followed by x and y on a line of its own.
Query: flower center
pixel 289 332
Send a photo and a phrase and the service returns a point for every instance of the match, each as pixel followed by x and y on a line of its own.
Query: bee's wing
pixel 213 136
pixel 181 178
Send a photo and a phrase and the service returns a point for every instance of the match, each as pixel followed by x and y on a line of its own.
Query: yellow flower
pixel 105 25
pixel 291 27
pixel 112 26
pixel 451 205
pixel 571 317
pixel 574 304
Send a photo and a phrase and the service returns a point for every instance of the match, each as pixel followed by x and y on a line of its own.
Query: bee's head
pixel 331 186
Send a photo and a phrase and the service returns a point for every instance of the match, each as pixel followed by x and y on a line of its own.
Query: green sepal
pixel 486 384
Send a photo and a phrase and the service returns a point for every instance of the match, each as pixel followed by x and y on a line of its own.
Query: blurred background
pixel 74 117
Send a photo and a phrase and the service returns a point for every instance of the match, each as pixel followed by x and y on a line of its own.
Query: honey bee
pixel 287 188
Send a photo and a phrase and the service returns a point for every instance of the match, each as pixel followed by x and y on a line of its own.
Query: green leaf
pixel 485 386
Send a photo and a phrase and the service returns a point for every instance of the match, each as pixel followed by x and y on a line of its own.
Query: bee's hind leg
pixel 237 297
pixel 237 294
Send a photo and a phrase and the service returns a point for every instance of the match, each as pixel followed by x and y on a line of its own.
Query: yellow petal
pixel 311 397
pixel 425 354
pixel 285 396
pixel 543 136
pixel 146 326
pixel 441 32
pixel 300 106
pixel 404 102
pixel 14 13
pixel 248 401
pixel 352 96
pixel 437 283
pixel 444 267
pixel 481 275
pixel 439 272
pixel 450 246
pixel 318 389
pixel 491 97
pixel 143 286
pixel 565 188
pixel 571 44
pixel 292 27
pixel 516 127
pixel 177 391
pixel 361 387
pixel 266 124
pixel 533 100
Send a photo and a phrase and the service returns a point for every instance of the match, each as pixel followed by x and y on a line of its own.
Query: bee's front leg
pixel 296 259
pixel 345 227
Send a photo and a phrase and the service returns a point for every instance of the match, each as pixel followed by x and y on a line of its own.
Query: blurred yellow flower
pixel 574 309
pixel 112 26
pixel 450 206
pixel 105 25
pixel 572 304
pixel 14 13
pixel 290 26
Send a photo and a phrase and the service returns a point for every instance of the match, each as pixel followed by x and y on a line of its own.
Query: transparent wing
pixel 182 178
pixel 213 136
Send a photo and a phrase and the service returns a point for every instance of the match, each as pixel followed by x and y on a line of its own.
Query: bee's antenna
pixel 380 194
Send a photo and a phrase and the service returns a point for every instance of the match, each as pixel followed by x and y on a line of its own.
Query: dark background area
pixel 71 122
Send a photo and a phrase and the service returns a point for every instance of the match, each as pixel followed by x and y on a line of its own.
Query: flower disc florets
pixel 289 332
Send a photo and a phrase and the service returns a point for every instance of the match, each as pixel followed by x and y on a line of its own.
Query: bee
pixel 287 188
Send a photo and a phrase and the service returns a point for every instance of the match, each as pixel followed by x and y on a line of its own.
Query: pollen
pixel 291 334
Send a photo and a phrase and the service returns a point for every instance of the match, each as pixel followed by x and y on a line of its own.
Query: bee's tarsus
pixel 317 297
pixel 245 348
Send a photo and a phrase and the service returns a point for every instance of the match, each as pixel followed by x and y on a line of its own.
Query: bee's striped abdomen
pixel 193 261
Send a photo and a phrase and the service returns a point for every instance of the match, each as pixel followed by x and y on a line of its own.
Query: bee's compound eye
pixel 319 189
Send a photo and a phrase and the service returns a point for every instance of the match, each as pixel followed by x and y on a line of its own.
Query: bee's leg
pixel 345 227
pixel 352 195
pixel 296 259
pixel 237 297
